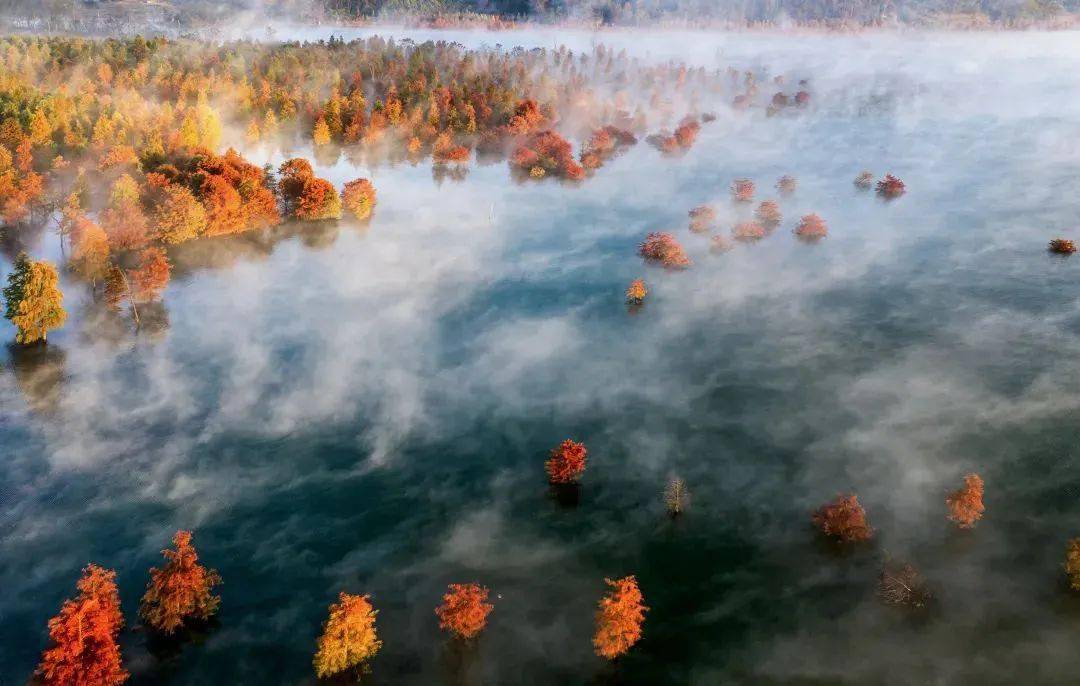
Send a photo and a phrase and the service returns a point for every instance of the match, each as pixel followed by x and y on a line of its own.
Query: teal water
pixel 368 408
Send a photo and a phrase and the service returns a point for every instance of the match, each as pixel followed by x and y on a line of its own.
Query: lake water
pixel 368 408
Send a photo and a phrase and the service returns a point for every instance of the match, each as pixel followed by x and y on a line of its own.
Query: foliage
pixel 549 152
pixel 635 294
pixel 33 301
pixel 349 639
pixel 787 184
pixel 151 276
pixel 359 197
pixel 966 505
pixel 843 519
pixel 1072 563
pixel 663 248
pixel 768 213
pixel 307 197
pixel 464 610
pixel 84 650
pixel 811 226
pixel 890 187
pixel 181 590
pixel 90 249
pixel 742 190
pixel 619 619
pixel 702 218
pixel 179 216
pixel 748 231
pixel 1062 246
pixel 566 463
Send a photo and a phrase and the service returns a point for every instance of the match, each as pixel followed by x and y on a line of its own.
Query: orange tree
pixel 181 590
pixel 619 619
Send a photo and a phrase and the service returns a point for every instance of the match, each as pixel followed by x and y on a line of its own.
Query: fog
pixel 367 407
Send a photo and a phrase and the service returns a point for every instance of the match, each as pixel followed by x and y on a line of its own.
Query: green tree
pixel 13 292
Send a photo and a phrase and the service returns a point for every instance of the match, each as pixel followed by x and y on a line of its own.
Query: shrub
pixel 811 226
pixel 843 519
pixel 663 248
pixel 966 505
pixel 567 462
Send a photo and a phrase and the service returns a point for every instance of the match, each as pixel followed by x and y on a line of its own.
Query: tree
pixel 124 221
pixel 768 213
pixel 567 462
pixel 34 300
pixel 90 249
pixel 890 187
pixel 966 505
pixel 742 190
pixel 1072 563
pixel 320 135
pixel 619 619
pixel 676 496
pixel 464 610
pixel 151 276
pixel 180 216
pixel 359 197
pixel 84 650
pixel 349 639
pixel 662 247
pixel 811 226
pixel 636 292
pixel 899 583
pixel 844 519
pixel 318 200
pixel 181 590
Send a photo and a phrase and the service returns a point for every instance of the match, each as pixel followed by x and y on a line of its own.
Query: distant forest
pixel 72 13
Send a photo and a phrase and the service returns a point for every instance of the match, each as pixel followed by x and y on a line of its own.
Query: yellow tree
pixel 40 307
pixel 619 619
pixel 90 250
pixel 180 216
pixel 321 133
pixel 349 639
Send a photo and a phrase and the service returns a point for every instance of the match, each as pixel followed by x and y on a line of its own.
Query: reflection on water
pixel 368 407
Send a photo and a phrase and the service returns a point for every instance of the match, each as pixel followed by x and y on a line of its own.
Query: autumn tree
pixel 864 180
pixel 768 213
pixel 124 221
pixel 151 276
pixel 181 590
pixel 787 184
pixel 179 215
pixel 619 619
pixel 702 218
pixel 662 247
pixel 33 300
pixel 843 519
pixel 748 231
pixel 811 227
pixel 1072 563
pixel 890 187
pixel 566 463
pixel 966 504
pixel 349 639
pixel 1062 246
pixel 742 190
pixel 307 197
pixel 84 651
pixel 90 250
pixel 464 610
pixel 359 197
pixel 635 294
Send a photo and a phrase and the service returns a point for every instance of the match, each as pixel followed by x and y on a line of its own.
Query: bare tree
pixel 676 496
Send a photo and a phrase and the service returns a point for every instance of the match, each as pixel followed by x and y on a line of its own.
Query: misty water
pixel 367 407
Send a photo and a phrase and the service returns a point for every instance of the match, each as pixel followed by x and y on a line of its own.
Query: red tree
pixel 567 462
pixel 84 650
pixel 890 187
pixel 464 610
pixel 812 226
pixel 151 276
pixel 180 590
pixel 966 505
pixel 844 518
pixel 619 619
pixel 663 248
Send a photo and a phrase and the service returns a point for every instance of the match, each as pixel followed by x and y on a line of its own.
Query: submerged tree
pixel 812 227
pixel 844 519
pixel 768 213
pixel 1062 246
pixel 84 650
pixel 566 463
pixel 966 505
pixel 635 294
pixel 742 190
pixel 702 218
pixel 748 231
pixel 151 277
pixel 181 590
pixel 33 300
pixel 662 247
pixel 359 197
pixel 865 179
pixel 1072 563
pixel 619 619
pixel 899 583
pixel 787 184
pixel 676 496
pixel 349 639
pixel 464 610
pixel 890 187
